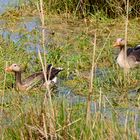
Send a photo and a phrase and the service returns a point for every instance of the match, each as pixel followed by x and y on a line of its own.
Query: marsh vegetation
pixel 70 40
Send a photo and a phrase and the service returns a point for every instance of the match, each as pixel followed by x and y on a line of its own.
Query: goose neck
pixel 18 78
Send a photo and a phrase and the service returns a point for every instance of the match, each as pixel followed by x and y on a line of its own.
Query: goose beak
pixel 116 44
pixel 8 69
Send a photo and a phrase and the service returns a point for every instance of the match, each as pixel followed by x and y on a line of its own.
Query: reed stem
pixel 126 32
pixel 48 105
pixel 88 115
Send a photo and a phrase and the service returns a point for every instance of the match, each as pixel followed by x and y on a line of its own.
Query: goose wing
pixel 39 76
pixel 136 53
pixel 33 79
pixel 137 47
pixel 129 51
pixel 36 76
pixel 53 72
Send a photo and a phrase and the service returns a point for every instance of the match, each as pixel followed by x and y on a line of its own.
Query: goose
pixel 132 55
pixel 32 80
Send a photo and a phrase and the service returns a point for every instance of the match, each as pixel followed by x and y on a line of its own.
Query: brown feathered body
pixel 33 79
pixel 132 55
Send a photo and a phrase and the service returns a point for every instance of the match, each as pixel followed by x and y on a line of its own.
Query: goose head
pixel 13 68
pixel 120 42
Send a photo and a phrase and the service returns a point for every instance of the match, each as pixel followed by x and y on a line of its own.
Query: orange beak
pixel 8 69
pixel 116 44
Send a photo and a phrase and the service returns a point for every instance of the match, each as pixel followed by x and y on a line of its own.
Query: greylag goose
pixel 29 82
pixel 132 55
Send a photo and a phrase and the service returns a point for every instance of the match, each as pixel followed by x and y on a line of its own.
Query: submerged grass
pixel 114 107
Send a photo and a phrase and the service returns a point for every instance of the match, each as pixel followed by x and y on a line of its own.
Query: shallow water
pixel 6 4
pixel 29 25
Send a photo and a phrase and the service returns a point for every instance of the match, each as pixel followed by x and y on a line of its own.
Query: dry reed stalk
pixel 36 129
pixel 126 32
pixel 88 114
pixel 48 107
pixel 45 129
pixel 126 125
pixel 60 129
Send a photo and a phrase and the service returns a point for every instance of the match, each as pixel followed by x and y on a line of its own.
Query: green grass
pixel 25 120
pixel 24 115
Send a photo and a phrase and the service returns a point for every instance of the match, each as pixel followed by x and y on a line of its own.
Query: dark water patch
pixel 67 94
pixel 15 36
pixel 134 92
pixel 7 4
pixel 28 33
pixel 30 25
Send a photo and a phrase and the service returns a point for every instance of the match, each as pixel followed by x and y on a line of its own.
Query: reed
pixel 48 106
pixel 111 9
pixel 126 32
pixel 90 94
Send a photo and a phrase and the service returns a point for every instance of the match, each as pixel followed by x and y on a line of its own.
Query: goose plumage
pixel 29 82
pixel 132 55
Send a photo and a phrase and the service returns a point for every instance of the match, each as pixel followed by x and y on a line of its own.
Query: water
pixel 7 4
pixel 17 37
pixel 28 25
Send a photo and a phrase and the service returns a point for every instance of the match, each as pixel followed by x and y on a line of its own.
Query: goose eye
pixel 15 65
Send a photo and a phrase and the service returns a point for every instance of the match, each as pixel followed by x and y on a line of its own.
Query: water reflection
pixel 6 4
pixel 24 32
